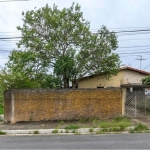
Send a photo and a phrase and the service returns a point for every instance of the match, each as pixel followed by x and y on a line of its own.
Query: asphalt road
pixel 113 141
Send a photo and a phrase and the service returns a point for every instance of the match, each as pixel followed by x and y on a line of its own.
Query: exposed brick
pixel 38 105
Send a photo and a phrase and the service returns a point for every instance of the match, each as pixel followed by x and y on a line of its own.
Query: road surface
pixel 113 141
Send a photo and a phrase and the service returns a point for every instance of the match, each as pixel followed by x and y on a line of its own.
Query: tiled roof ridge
pixel 134 69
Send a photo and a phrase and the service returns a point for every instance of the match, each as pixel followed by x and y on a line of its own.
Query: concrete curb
pixel 61 131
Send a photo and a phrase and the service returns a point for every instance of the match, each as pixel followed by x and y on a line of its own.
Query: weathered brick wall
pixel 37 105
pixel 8 105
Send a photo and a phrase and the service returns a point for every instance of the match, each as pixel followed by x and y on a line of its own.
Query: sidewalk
pixel 60 132
pixel 53 128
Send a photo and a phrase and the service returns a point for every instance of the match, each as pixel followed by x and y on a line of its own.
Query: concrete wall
pixel 123 77
pixel 38 105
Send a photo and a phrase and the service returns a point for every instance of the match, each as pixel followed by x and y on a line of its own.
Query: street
pixel 107 141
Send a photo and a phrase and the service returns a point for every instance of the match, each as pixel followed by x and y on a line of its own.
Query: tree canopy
pixel 59 40
pixel 146 80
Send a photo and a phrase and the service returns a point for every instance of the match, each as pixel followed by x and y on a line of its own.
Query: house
pixel 126 75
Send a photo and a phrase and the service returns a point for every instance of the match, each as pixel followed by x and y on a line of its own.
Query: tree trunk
pixel 66 82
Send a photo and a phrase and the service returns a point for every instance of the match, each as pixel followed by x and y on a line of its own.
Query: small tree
pixel 146 80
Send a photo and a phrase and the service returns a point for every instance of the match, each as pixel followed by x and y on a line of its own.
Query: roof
pixel 123 68
pixel 136 70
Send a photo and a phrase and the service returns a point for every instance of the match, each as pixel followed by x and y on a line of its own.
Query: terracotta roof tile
pixel 123 68
pixel 136 70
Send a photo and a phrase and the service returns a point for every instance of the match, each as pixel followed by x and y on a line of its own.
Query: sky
pixel 130 17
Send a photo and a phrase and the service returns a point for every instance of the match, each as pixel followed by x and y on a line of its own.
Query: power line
pixel 3 38
pixel 132 34
pixel 134 39
pixel 129 55
pixel 13 0
pixel 125 31
pixel 146 66
pixel 135 53
pixel 136 46
pixel 140 59
pixel 130 27
pixel 130 50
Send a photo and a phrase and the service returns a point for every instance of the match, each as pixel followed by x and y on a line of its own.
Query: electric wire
pixel 13 0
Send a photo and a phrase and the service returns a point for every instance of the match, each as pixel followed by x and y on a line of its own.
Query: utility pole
pixel 140 59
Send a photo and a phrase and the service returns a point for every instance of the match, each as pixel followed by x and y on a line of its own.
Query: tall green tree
pixel 61 40
pixel 18 73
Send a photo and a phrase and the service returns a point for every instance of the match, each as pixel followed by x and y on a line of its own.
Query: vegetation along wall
pixel 38 105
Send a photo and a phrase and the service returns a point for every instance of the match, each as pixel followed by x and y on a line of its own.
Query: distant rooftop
pixel 124 68
pixel 134 69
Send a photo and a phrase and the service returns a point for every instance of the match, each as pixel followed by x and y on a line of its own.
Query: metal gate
pixel 137 103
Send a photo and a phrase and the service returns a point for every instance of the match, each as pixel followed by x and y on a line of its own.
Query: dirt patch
pixel 40 125
pixel 145 120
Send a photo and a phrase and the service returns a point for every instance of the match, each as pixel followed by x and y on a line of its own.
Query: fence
pixel 38 105
pixel 137 103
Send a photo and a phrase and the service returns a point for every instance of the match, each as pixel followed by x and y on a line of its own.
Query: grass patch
pixel 147 131
pixel 36 132
pixel 83 120
pixel 77 133
pixel 2 133
pixel 74 131
pixel 1 109
pixel 61 122
pixel 30 120
pixel 55 131
pixel 67 131
pixel 100 132
pixel 69 127
pixel 90 130
pixel 1 119
pixel 140 127
pixel 95 121
pixel 118 123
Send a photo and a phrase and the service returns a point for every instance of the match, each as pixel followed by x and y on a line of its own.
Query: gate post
pixel 123 100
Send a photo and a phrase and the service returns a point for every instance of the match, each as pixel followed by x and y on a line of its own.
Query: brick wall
pixel 37 105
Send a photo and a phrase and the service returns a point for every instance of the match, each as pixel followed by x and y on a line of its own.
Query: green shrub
pixel 62 123
pixel 140 127
pixel 2 133
pixel 91 130
pixel 118 122
pixel 105 124
pixel 84 120
pixel 74 131
pixel 69 127
pixel 1 119
pixel 104 130
pixel 67 131
pixel 120 118
pixel 95 121
pixel 131 131
pixel 1 109
pixel 55 131
pixel 36 132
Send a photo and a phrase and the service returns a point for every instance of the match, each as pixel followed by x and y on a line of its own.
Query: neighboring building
pixel 126 75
